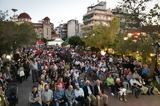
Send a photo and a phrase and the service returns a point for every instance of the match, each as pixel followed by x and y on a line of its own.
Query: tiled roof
pixel 24 15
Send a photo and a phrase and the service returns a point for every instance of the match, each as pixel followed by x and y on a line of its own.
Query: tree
pixel 8 32
pixel 3 15
pixel 26 34
pixel 76 41
pixel 103 36
pixel 13 35
pixel 134 11
pixel 138 18
pixel 143 46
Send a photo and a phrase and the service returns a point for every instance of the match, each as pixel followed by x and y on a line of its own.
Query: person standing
pixel 34 69
pixel 21 73
pixel 27 69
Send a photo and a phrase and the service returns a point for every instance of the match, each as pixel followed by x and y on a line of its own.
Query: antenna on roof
pixel 14 10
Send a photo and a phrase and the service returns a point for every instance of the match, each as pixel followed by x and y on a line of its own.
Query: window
pixel 47 31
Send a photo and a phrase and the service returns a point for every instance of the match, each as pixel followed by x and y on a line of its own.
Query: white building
pixel 97 14
pixel 72 28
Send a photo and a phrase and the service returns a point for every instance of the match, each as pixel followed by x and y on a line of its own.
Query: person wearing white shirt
pixel 76 75
pixel 136 87
pixel 79 95
pixel 88 94
pixel 47 96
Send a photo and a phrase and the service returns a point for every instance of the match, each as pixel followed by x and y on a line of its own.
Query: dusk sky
pixel 58 11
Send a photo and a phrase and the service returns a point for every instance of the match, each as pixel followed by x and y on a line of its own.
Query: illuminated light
pixel 152 54
pixel 129 35
pixel 110 50
pixel 136 37
pixel 135 40
pixel 143 34
pixel 137 33
pixel 8 57
pixel 125 38
pixel 103 53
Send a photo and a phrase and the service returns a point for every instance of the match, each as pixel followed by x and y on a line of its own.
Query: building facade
pixel 44 29
pixel 72 28
pixel 69 29
pixel 61 30
pixel 96 15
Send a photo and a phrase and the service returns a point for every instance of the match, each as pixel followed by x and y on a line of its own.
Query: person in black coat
pixel 88 94
pixel 102 98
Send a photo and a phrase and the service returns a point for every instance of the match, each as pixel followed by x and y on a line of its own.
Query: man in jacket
pixel 88 94
pixel 102 99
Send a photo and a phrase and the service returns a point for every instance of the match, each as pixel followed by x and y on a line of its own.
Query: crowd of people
pixel 65 76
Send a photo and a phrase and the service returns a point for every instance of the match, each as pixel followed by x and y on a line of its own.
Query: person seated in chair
pixel 35 97
pixel 122 92
pixel 79 95
pixel 70 96
pixel 102 99
pixel 59 97
pixel 136 86
pixel 88 94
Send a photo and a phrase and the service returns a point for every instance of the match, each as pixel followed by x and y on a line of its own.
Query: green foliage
pixel 144 46
pixel 76 41
pixel 13 35
pixel 65 43
pixel 134 12
pixel 137 17
pixel 3 15
pixel 154 15
pixel 26 34
pixel 44 40
pixel 103 36
pixel 8 32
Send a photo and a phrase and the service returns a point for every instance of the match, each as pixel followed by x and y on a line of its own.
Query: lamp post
pixel 157 45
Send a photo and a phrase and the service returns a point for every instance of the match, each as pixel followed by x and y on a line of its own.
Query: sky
pixel 59 11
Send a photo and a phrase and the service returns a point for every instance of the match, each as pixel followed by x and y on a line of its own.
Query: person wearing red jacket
pixel 60 85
